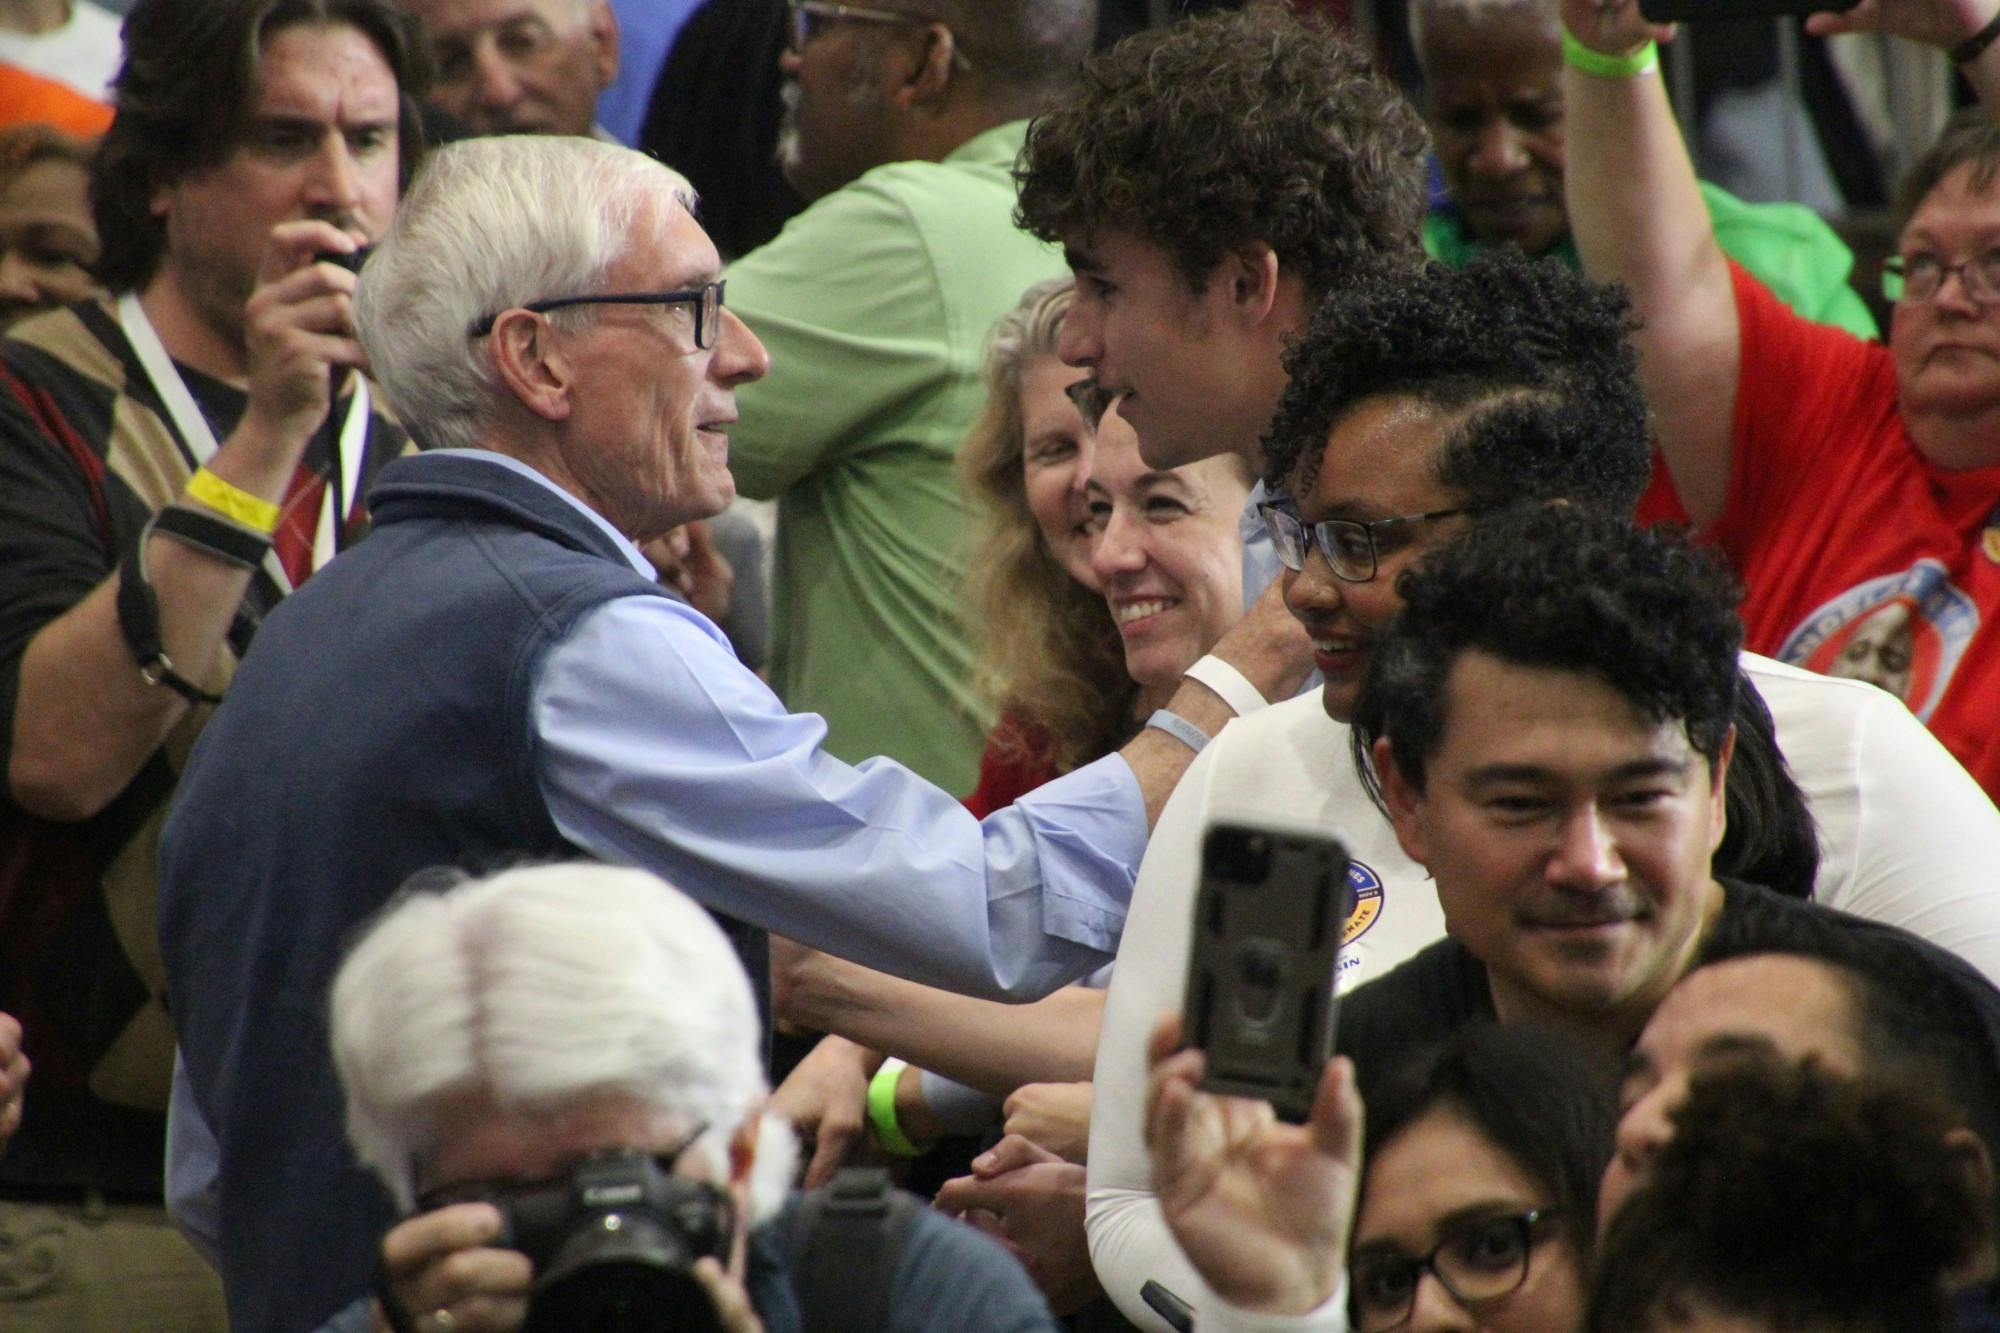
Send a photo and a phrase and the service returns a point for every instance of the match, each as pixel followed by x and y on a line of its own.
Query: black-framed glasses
pixel 706 302
pixel 1921 277
pixel 805 18
pixel 1352 549
pixel 1478 1260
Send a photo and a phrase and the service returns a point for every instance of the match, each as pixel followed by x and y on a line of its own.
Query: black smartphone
pixel 1693 11
pixel 1177 1312
pixel 1261 968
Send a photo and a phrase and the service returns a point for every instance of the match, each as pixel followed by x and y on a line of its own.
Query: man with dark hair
pixel 172 462
pixel 901 122
pixel 1504 382
pixel 1210 182
pixel 1552 747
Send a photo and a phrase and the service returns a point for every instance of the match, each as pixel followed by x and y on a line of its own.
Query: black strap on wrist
pixel 1968 50
pixel 213 535
pixel 139 623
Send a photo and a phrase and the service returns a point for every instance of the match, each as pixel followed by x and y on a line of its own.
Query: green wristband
pixel 1578 56
pixel 882 1110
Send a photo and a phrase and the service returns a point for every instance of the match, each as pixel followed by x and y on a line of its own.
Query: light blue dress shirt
pixel 657 748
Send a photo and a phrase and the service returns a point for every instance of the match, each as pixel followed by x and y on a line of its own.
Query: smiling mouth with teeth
pixel 1126 612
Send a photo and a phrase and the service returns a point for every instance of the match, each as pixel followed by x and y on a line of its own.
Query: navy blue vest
pixel 380 726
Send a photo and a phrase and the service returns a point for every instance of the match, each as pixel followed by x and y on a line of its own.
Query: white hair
pixel 544 986
pixel 492 223
pixel 1424 12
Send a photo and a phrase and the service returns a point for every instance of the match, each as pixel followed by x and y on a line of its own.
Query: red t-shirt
pixel 1858 556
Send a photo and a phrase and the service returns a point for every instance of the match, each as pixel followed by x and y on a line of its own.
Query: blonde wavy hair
pixel 1045 647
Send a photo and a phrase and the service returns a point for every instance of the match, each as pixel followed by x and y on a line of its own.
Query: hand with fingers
pixel 1939 23
pixel 299 327
pixel 688 561
pixel 1031 1201
pixel 826 1099
pixel 1612 27
pixel 1261 1208
pixel 1055 1116
pixel 444 1275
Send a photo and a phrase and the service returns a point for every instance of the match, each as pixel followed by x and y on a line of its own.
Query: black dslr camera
pixel 614 1245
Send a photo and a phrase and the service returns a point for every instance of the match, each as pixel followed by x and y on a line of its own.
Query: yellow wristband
pixel 233 501
pixel 1578 56
pixel 882 1110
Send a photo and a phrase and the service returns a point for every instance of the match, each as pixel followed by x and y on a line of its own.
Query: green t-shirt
pixel 1787 247
pixel 875 303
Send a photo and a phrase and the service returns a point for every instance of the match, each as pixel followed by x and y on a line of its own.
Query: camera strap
pixel 845 1243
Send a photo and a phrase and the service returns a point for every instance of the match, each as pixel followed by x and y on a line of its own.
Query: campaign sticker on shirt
pixel 1366 886
pixel 1904 632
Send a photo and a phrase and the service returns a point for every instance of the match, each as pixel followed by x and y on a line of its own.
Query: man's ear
pixel 1405 800
pixel 1969 1151
pixel 529 364
pixel 604 43
pixel 923 72
pixel 1251 272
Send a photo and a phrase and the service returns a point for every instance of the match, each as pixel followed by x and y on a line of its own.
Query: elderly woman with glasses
pixel 1854 487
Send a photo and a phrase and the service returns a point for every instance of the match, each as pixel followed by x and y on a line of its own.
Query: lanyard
pixel 344 480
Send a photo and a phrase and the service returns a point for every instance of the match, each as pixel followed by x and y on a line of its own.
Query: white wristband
pixel 1232 685
pixel 1182 730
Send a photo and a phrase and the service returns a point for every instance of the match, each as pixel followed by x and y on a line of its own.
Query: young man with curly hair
pixel 1209 183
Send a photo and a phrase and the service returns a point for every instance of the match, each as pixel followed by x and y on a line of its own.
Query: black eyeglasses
pixel 1921 277
pixel 706 302
pixel 807 17
pixel 1479 1260
pixel 1351 548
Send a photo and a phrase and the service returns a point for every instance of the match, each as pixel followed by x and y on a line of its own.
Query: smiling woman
pixel 1166 551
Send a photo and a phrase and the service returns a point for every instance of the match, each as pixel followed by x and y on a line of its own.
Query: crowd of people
pixel 424 905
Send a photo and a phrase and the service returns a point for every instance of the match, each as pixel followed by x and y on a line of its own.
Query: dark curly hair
pixel 1564 587
pixel 185 93
pixel 1533 1093
pixel 1796 1199
pixel 1229 129
pixel 1547 346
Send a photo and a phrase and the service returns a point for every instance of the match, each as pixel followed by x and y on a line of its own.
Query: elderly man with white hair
pixel 504 1032
pixel 495 673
